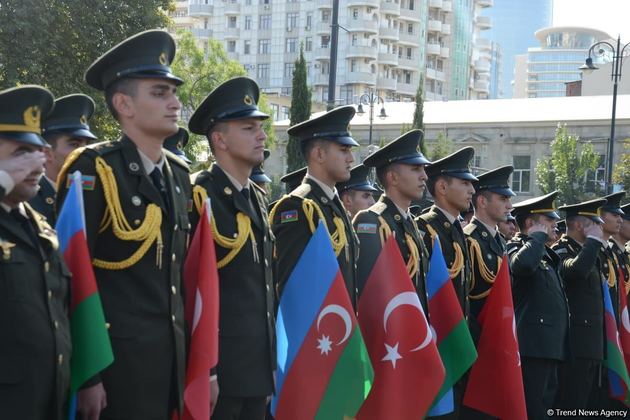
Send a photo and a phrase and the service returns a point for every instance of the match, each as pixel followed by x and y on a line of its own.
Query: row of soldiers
pixel 141 208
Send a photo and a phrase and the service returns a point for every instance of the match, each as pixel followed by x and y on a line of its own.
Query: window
pixel 325 15
pixel 285 113
pixel 410 29
pixel 309 20
pixel 521 174
pixel 409 53
pixel 232 22
pixel 355 14
pixel 231 46
pixel 308 44
pixel 353 65
pixel 292 20
pixel 291 45
pixel 264 22
pixel 275 111
pixel 248 23
pixel 264 46
pixel 596 180
pixel 288 69
pixel 263 71
pixel 411 4
pixel 325 41
pixel 246 46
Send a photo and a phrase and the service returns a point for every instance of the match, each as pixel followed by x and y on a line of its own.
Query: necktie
pixel 253 214
pixel 158 181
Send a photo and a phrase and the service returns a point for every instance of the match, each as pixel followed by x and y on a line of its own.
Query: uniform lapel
pixel 225 185
pixel 12 226
pixel 133 163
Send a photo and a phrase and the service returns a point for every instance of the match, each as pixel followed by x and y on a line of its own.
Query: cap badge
pixel 227 191
pixel 248 100
pixel 163 59
pixel 83 120
pixel 32 117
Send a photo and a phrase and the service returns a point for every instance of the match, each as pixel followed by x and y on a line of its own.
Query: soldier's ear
pixel 123 104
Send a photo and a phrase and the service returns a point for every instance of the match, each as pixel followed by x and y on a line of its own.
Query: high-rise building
pixel 514 23
pixel 545 70
pixel 481 62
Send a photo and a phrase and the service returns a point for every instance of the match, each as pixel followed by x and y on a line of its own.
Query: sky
pixel 611 16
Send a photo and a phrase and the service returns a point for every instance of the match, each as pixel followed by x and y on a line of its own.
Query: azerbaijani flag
pixel 618 380
pixel 324 370
pixel 91 348
pixel 453 337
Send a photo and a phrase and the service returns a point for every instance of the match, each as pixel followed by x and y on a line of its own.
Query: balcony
pixel 386 83
pixel 320 79
pixel 200 10
pixel 201 32
pixel 388 33
pixel 406 88
pixel 440 75
pixel 433 49
pixel 359 77
pixel 445 52
pixel 447 6
pixel 483 22
pixel 232 33
pixel 434 25
pixel 483 44
pixel 361 51
pixel 321 53
pixel 323 4
pixel 232 8
pixel 482 66
pixel 485 3
pixel 390 8
pixel 406 38
pixel 406 63
pixel 368 3
pixel 322 28
pixel 388 58
pixel 360 25
pixel 446 29
pixel 482 86
pixel 436 4
pixel 413 15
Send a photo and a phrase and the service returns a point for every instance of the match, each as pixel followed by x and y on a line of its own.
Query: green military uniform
pixel 34 285
pixel 137 231
pixel 244 246
pixel 176 144
pixel 69 116
pixel 486 247
pixel 540 308
pixel 374 225
pixel 434 222
pixel 296 216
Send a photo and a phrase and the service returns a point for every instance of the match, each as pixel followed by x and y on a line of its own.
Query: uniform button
pixel 267 286
pixel 541 320
pixel 108 325
pixel 268 315
pixel 173 290
pixel 49 294
pixel 173 318
pixel 175 227
pixel 46 266
pixel 266 262
pixel 173 257
pixel 56 324
pixel 136 222
pixel 60 359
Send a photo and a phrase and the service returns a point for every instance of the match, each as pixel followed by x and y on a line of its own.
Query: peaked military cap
pixel 70 115
pixel 404 149
pixel 293 179
pixel 234 99
pixel 455 165
pixel 258 174
pixel 22 110
pixel 510 218
pixel 358 180
pixel 537 205
pixel 334 125
pixel 177 142
pixel 590 209
pixel 626 210
pixel 496 181
pixel 148 54
pixel 613 203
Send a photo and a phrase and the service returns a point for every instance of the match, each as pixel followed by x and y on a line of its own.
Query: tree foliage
pixel 418 114
pixel 300 111
pixel 443 147
pixel 566 168
pixel 52 43
pixel 621 172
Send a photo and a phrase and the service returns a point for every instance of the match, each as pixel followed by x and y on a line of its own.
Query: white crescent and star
pixel 408 298
pixel 325 345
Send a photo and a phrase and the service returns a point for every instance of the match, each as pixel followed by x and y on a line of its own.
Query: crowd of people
pixel 142 206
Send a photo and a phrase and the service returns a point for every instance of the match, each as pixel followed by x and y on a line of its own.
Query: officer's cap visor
pixel 32 139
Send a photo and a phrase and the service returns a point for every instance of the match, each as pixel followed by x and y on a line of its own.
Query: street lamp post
pixel 371 99
pixel 618 53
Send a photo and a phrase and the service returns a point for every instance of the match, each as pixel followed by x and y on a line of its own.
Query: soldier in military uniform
pixel 292 180
pixel 357 193
pixel 34 281
pixel 326 144
pixel 176 143
pixel 65 129
pixel 450 184
pixel 258 174
pixel 229 117
pixel 580 270
pixel 486 247
pixel 618 244
pixel 508 228
pixel 612 215
pixel 540 305
pixel 136 211
pixel 400 171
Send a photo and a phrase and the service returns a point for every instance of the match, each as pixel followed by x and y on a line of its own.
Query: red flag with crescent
pixel 408 370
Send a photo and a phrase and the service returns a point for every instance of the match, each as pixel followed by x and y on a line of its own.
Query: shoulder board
pixel 260 190
pixel 105 147
pixel 172 157
pixel 470 228
pixel 378 208
pixel 301 191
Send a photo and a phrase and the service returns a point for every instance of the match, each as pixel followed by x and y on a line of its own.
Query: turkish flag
pixel 495 384
pixel 624 331
pixel 201 280
pixel 408 371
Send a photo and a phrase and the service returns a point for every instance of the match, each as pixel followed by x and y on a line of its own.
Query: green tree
pixel 300 111
pixel 52 43
pixel 566 168
pixel 443 146
pixel 418 114
pixel 204 71
pixel 621 172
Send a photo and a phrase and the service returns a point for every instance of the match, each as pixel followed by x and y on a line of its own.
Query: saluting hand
pixel 594 230
pixel 19 167
pixel 538 227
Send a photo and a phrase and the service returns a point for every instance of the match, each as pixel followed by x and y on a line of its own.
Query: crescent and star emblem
pixel 325 345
